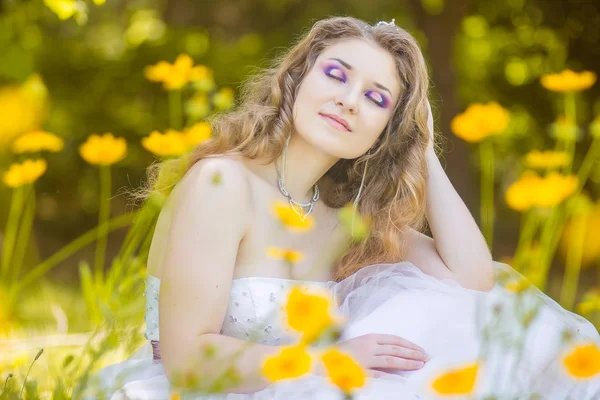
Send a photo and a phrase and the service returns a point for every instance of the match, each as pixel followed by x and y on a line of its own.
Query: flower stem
pixel 103 215
pixel 23 238
pixel 529 226
pixel 571 114
pixel 573 265
pixel 16 206
pixel 78 243
pixel 486 153
pixel 175 109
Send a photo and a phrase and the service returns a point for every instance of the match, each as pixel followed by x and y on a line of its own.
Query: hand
pixel 430 127
pixel 380 351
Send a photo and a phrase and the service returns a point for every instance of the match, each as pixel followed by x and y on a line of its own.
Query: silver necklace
pixel 294 204
pixel 297 207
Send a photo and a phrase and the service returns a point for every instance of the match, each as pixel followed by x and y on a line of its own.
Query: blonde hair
pixel 394 190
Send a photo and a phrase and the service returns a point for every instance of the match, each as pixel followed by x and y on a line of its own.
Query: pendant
pixel 302 215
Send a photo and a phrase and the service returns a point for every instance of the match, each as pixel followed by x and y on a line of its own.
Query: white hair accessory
pixel 386 23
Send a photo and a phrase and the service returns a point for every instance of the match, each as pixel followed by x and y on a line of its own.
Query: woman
pixel 342 117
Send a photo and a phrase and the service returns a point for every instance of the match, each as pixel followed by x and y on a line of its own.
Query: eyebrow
pixel 348 66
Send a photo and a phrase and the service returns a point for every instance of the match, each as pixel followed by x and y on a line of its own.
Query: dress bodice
pixel 254 312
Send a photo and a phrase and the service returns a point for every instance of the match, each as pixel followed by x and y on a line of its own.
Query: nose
pixel 348 100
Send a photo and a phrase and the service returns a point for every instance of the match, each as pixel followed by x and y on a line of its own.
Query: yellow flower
pixel 27 172
pixel 37 140
pixel 64 9
pixel 223 99
pixel 568 81
pixel 480 121
pixel 291 362
pixel 23 108
pixel 288 255
pixel 533 191
pixel 168 144
pixel 546 159
pixel 357 226
pixel 343 371
pixel 307 313
pixel 456 382
pixel 177 75
pixel 197 133
pixel 175 396
pixel 103 150
pixel 583 361
pixel 290 219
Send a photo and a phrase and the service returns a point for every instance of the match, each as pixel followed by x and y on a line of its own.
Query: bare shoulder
pixel 215 187
pixel 421 251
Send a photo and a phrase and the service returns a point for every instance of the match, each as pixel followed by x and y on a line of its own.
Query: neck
pixel 305 166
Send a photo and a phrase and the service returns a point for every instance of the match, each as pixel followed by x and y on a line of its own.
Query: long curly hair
pixel 394 192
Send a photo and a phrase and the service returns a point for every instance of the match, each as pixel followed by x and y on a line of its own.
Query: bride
pixel 342 117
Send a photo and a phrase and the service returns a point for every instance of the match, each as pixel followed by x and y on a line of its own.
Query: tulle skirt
pixel 520 341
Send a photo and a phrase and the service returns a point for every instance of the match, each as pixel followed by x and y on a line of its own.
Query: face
pixel 355 81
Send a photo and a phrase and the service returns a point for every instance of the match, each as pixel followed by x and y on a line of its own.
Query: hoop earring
pixel 355 205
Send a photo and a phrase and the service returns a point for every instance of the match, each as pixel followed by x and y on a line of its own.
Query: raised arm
pixel 208 222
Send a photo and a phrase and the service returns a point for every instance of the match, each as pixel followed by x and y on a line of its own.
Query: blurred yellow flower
pixel 99 2
pixel 564 129
pixel 64 9
pixel 590 302
pixel 308 313
pixel 355 224
pixel 27 172
pixel 175 396
pixel 343 370
pixel 517 285
pixel 456 382
pixel 23 108
pixel 568 81
pixel 480 121
pixel 37 140
pixel 288 255
pixel 284 213
pixel 591 243
pixel 291 362
pixel 198 106
pixel 546 159
pixel 168 144
pixel 177 75
pixel 583 361
pixel 223 99
pixel 197 133
pixel 103 150
pixel 532 190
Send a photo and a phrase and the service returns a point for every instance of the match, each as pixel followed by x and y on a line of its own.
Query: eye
pixel 341 78
pixel 378 99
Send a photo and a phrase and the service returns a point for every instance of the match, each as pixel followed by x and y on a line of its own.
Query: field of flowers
pixel 53 336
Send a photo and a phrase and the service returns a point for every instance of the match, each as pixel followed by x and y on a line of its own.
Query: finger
pixel 382 338
pixel 398 363
pixel 403 352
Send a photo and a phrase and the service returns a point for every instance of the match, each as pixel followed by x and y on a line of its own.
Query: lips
pixel 337 122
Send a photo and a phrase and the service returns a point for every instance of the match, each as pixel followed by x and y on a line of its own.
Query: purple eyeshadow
pixel 384 103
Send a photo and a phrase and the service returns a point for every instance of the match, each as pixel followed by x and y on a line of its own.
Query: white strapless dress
pixel 447 320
